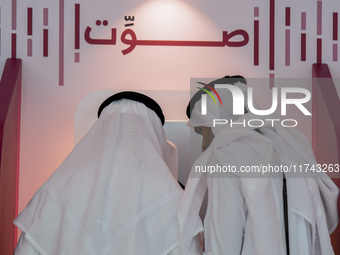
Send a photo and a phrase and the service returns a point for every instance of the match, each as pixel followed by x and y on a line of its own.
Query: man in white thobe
pixel 255 214
pixel 114 193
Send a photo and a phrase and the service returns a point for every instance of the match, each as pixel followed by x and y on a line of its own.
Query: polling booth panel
pixel 326 127
pixel 10 97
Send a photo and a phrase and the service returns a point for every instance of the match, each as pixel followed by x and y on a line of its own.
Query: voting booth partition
pixel 326 128
pixel 10 101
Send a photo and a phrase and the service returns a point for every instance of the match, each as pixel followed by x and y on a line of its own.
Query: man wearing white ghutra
pixel 252 214
pixel 114 193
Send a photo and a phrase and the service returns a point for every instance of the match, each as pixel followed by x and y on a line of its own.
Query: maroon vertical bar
pixel 303 47
pixel 256 11
pixel 319 51
pixel 45 43
pixel 287 60
pixel 271 34
pixel 45 17
pixel 271 81
pixel 14 14
pixel 14 45
pixel 319 18
pixel 61 42
pixel 29 47
pixel 287 16
pixel 335 26
pixel 335 52
pixel 77 27
pixel 256 42
pixel 29 21
pixel 77 57
pixel 303 21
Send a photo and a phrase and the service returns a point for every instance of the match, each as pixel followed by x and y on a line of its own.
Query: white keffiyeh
pixel 113 194
pixel 314 198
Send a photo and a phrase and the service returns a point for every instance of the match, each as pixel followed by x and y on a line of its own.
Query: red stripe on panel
pixel 287 58
pixel 319 51
pixel 29 21
pixel 45 17
pixel 61 42
pixel 271 35
pixel 271 80
pixel 335 26
pixel 303 20
pixel 287 16
pixel 335 52
pixel 256 42
pixel 29 47
pixel 303 47
pixel 77 57
pixel 14 45
pixel 14 14
pixel 77 27
pixel 45 43
pixel 319 18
